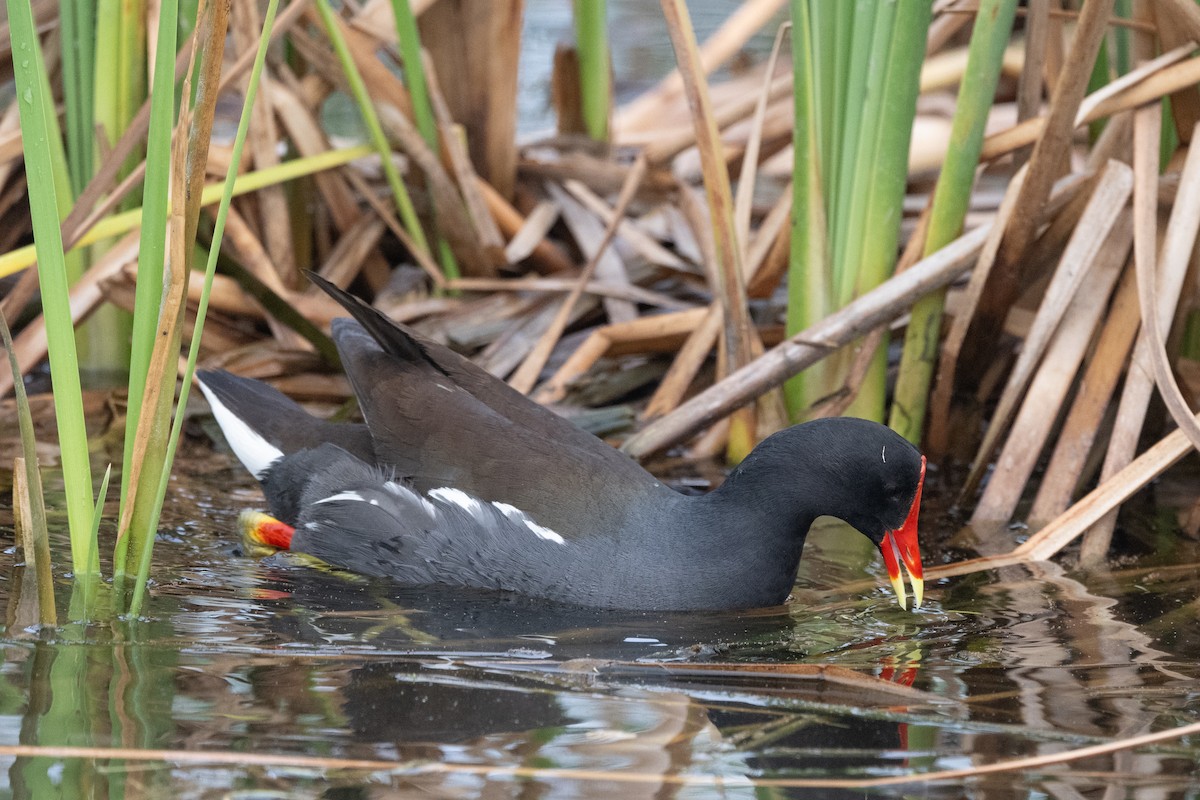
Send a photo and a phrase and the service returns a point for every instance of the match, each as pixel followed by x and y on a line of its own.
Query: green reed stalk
pixel 358 89
pixel 120 73
pixel 39 136
pixel 1100 76
pixel 993 26
pixel 152 251
pixel 821 46
pixel 874 227
pixel 872 24
pixel 160 313
pixel 595 69
pixel 418 88
pixel 414 71
pixel 119 89
pixel 78 76
pixel 143 572
pixel 808 284
pixel 89 586
pixel 1122 37
pixel 857 67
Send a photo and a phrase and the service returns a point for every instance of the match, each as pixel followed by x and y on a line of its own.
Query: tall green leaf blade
pixel 409 40
pixel 595 72
pixel 78 71
pixel 153 247
pixel 239 141
pixel 414 70
pixel 993 25
pixel 36 108
pixel 808 270
pixel 860 127
pixel 895 82
pixel 119 89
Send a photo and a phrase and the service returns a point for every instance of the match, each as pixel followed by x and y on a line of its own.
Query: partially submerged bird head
pixel 858 471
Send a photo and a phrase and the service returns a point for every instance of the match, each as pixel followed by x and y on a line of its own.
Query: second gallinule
pixel 457 479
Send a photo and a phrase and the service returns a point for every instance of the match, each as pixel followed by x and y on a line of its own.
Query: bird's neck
pixel 746 523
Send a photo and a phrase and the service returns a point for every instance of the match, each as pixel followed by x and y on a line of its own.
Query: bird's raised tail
pixel 390 337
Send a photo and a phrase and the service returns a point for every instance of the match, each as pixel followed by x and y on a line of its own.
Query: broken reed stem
pixel 1154 86
pixel 937 442
pixel 874 308
pixel 36 562
pixel 1054 377
pixel 28 495
pixel 1084 420
pixel 743 204
pixel 1101 501
pixel 1050 155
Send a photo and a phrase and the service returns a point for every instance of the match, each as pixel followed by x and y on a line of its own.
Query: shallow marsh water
pixel 511 698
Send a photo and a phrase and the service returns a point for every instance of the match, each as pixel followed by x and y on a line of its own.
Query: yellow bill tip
pixel 898 587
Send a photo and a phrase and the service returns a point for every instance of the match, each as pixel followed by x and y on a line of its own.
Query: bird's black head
pixel 853 469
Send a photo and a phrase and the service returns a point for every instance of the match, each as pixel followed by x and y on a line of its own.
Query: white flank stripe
pixel 517 515
pixel 509 511
pixel 255 452
pixel 544 533
pixel 400 490
pixel 458 498
pixel 334 498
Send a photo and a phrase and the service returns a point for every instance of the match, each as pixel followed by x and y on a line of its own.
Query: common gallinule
pixel 457 479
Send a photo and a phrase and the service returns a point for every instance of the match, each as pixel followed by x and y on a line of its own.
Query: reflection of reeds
pixel 412 769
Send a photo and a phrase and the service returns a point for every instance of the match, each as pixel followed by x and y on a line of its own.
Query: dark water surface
pixel 510 698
